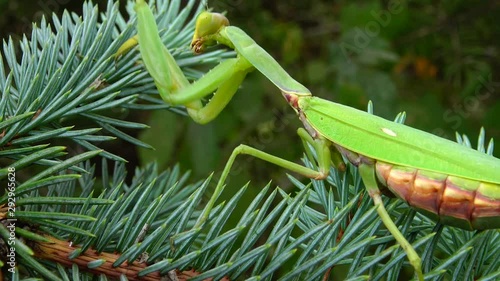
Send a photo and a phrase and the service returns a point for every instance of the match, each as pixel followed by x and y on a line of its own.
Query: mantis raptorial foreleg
pixel 320 146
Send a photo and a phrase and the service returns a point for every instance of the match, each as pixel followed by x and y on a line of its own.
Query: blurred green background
pixel 436 60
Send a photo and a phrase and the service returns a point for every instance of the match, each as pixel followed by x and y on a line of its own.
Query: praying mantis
pixel 453 184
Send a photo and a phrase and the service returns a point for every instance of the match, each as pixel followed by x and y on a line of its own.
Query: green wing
pixel 395 143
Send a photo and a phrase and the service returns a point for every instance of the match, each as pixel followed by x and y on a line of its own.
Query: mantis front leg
pixel 225 79
pixel 321 147
pixel 172 85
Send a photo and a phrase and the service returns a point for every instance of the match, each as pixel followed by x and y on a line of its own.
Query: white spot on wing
pixel 389 132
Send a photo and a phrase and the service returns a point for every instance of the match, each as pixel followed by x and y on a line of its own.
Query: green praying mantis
pixel 450 183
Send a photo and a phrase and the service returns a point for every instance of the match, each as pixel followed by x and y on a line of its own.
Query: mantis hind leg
pixel 367 173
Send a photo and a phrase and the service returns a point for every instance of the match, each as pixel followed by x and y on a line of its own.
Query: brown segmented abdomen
pixel 448 199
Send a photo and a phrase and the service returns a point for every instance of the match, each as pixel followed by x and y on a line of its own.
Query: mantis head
pixel 207 26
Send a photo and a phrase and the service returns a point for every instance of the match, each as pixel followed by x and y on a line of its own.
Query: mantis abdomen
pixel 451 200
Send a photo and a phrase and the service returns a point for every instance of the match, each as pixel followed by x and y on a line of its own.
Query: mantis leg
pixel 169 79
pixel 320 146
pixel 367 173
